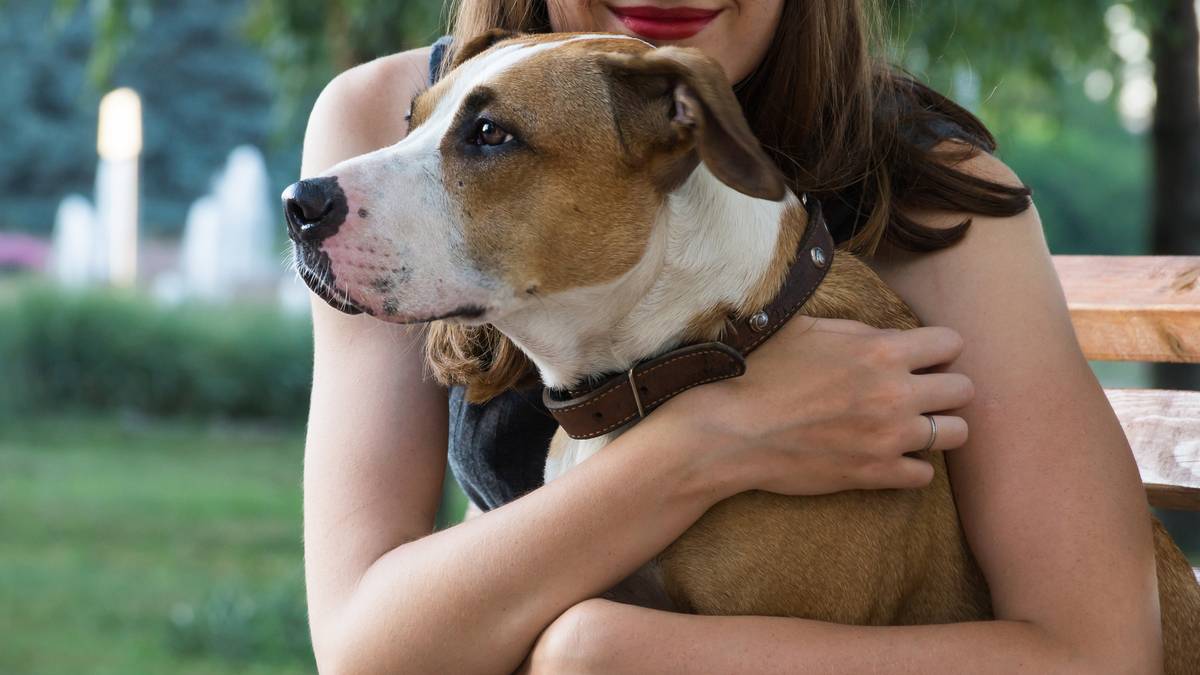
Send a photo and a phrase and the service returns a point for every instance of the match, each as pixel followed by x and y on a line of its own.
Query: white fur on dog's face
pixel 440 228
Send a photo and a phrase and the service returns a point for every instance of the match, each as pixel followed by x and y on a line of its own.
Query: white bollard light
pixel 119 143
pixel 72 259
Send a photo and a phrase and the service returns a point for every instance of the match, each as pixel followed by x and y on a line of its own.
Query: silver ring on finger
pixel 932 433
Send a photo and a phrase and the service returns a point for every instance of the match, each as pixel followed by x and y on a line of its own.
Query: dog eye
pixel 488 132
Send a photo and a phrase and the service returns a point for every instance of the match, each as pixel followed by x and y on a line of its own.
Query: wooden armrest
pixel 1163 428
pixel 1134 308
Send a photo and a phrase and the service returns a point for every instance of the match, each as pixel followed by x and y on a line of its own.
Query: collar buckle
pixel 637 398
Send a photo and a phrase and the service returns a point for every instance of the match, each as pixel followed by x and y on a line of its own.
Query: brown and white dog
pixel 600 202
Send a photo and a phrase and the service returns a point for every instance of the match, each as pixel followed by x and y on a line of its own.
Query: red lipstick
pixel 658 23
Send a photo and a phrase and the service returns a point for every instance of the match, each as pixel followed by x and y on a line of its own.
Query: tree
pixel 204 91
pixel 310 42
pixel 1176 142
pixel 306 42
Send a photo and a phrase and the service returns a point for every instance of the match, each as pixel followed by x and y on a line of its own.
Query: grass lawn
pixel 149 547
pixel 133 546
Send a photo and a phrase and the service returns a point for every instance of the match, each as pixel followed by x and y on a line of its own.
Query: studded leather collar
pixel 616 400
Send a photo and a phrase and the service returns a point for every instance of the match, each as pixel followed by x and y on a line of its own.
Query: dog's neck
pixel 714 250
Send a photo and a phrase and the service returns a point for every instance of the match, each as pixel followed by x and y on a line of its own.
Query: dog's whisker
pixel 287 258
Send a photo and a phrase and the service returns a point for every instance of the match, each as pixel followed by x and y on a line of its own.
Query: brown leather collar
pixel 616 400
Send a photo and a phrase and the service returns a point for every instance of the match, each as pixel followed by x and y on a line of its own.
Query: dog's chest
pixel 567 453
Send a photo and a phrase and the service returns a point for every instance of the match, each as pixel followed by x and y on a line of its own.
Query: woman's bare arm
pixel 1048 490
pixel 1046 487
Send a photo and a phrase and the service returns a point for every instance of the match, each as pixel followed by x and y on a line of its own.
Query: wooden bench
pixel 1147 309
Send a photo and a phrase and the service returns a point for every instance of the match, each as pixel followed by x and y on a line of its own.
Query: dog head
pixel 537 165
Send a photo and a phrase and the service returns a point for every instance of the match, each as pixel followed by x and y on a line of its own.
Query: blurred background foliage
pixel 204 87
pixel 150 457
pixel 101 350
pixel 250 69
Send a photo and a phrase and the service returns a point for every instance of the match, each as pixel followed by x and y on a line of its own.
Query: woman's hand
pixel 829 405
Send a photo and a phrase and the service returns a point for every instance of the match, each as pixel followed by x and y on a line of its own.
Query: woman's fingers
pixel 935 392
pixel 949 433
pixel 805 323
pixel 913 473
pixel 809 441
pixel 922 348
pixel 905 472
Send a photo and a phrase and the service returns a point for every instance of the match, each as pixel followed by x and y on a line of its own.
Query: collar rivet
pixel 759 321
pixel 818 257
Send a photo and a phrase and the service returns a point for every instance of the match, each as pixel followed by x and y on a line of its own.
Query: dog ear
pixel 684 99
pixel 479 44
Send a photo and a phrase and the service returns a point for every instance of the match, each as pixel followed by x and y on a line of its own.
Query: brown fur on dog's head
pixel 477 45
pixel 671 109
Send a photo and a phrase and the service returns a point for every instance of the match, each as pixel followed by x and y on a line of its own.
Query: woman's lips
pixel 657 23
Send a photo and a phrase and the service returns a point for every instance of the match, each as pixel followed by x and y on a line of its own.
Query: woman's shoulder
pixel 380 86
pixel 368 103
pixel 988 238
pixel 385 71
pixel 975 162
pixel 1015 243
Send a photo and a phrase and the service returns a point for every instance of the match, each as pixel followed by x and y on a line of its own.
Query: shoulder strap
pixel 437 56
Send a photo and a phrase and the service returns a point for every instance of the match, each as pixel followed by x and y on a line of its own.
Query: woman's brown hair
pixel 841 124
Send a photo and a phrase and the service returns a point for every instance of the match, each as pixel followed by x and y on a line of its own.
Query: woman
pixel 1046 487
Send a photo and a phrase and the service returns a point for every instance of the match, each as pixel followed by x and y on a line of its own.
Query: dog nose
pixel 315 208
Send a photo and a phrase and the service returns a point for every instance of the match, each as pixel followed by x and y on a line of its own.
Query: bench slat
pixel 1163 428
pixel 1134 308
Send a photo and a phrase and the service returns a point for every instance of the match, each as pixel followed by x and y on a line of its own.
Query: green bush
pixel 112 350
pixel 243 625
